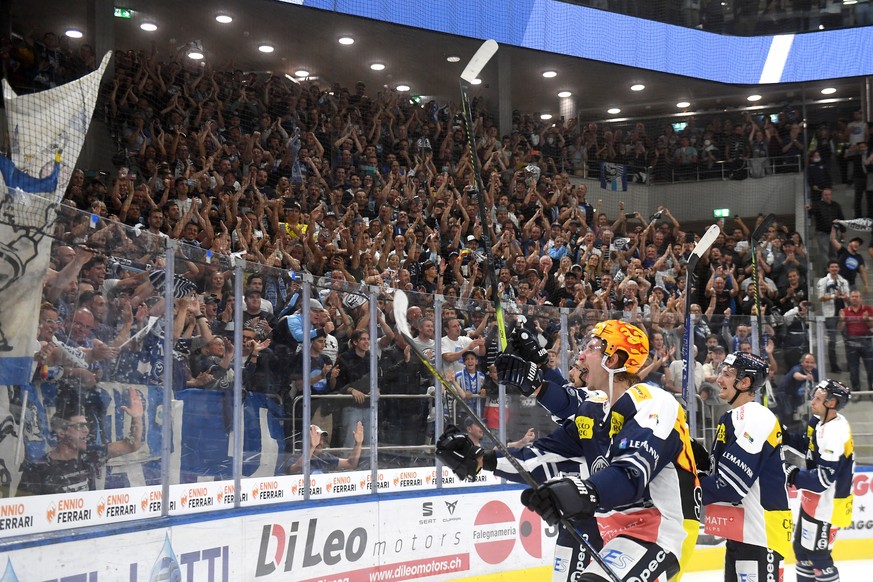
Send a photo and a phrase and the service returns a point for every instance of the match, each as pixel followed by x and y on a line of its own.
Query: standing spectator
pixel 832 290
pixel 850 260
pixel 825 482
pixel 818 176
pixel 354 379
pixel 746 496
pixel 471 382
pixel 796 387
pixel 454 346
pixel 74 465
pixel 862 181
pixel 855 321
pixel 823 213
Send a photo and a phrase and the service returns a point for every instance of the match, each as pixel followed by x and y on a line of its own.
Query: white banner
pixel 41 126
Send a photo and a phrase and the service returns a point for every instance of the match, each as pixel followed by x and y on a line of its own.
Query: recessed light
pixel 683 104
pixel 223 19
pixel 453 59
pixel 73 33
pixel 546 116
pixel 753 98
pixel 476 81
pixel 402 88
pixel 564 94
pixel 377 67
pixel 828 91
pixel 196 55
pixel 301 73
pixel 637 87
pixel 346 40
pixel 265 48
pixel 613 111
pixel 550 74
pixel 149 26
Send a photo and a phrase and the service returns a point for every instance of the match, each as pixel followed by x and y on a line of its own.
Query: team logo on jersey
pixel 599 464
pixel 616 422
pixel 720 434
pixel 585 426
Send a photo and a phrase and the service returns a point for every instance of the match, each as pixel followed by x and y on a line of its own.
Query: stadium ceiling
pixel 307 39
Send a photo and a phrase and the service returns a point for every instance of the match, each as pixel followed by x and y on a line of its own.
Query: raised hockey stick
pixel 862 224
pixel 401 305
pixel 754 238
pixel 471 72
pixel 687 353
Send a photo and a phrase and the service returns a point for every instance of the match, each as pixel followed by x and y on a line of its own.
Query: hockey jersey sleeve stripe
pixel 637 461
pixel 732 479
pixel 543 466
pixel 816 480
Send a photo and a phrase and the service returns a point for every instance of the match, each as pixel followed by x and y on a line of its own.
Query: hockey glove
pixel 563 497
pixel 525 344
pixel 791 472
pixel 455 449
pixel 701 457
pixel 518 373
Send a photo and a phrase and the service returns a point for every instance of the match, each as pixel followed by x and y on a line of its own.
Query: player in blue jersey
pixel 825 483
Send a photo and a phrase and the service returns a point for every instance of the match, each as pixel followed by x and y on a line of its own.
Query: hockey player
pixel 645 501
pixel 825 483
pixel 745 497
pixel 571 449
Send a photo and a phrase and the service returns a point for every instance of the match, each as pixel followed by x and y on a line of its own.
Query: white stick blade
pixel 706 240
pixel 401 305
pixel 479 60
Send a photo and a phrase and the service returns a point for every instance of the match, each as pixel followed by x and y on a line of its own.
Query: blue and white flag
pixel 613 176
pixel 47 131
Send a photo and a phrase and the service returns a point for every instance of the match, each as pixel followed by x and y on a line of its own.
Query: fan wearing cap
pixel 746 494
pixel 825 482
pixel 647 490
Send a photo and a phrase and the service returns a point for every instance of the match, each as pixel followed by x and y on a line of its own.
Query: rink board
pixel 475 533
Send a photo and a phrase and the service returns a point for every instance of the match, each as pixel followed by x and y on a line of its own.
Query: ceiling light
pixel 546 116
pixel 402 88
pixel 301 73
pixel 346 40
pixel 828 91
pixel 377 66
pixel 476 81
pixel 265 48
pixel 550 74
pixel 453 59
pixel 637 87
pixel 196 50
pixel 564 94
pixel 149 26
pixel 754 97
pixel 223 19
pixel 73 33
pixel 683 104
pixel 614 111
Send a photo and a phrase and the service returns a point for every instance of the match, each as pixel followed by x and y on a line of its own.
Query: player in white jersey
pixel 825 483
pixel 745 498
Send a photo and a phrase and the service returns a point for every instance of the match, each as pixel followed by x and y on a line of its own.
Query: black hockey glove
pixel 518 373
pixel 791 472
pixel 525 344
pixel 702 459
pixel 457 452
pixel 564 497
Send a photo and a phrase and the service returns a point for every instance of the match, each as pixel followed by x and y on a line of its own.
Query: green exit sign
pixel 721 212
pixel 123 13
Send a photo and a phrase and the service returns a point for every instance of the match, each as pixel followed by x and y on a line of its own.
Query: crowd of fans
pixel 377 190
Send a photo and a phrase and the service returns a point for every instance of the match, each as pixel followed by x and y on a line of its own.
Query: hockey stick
pixel 754 238
pixel 862 224
pixel 688 393
pixel 470 73
pixel 401 305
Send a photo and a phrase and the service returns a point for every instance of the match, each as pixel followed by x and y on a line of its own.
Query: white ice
pixel 850 571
